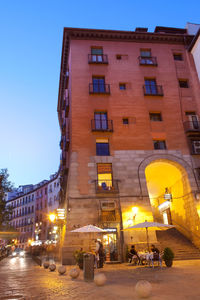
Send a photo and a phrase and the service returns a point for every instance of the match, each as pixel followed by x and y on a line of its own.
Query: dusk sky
pixel 31 41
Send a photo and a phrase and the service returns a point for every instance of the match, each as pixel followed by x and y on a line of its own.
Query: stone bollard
pixel 61 270
pixel 100 279
pixel 52 267
pixel 74 273
pixel 143 289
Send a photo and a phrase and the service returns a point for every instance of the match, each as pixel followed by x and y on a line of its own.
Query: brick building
pixel 128 110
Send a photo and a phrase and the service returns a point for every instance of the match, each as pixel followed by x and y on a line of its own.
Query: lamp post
pixel 131 221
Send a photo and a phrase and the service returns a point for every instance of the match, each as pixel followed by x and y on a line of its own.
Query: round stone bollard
pixel 52 267
pixel 74 273
pixel 100 279
pixel 46 265
pixel 61 270
pixel 143 289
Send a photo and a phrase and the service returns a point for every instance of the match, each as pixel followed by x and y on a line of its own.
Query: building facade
pixel 128 110
pixel 194 47
pixel 31 206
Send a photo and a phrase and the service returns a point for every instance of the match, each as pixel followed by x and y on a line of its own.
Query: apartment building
pixel 31 206
pixel 194 47
pixel 23 214
pixel 128 109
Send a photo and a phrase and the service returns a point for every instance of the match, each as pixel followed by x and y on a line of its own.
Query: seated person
pixel 156 255
pixel 133 254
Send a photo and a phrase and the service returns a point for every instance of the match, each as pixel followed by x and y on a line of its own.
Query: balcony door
pixel 101 120
pixel 97 54
pixel 194 122
pixel 98 84
pixel 150 86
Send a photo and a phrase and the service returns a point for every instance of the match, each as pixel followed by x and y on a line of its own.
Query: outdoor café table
pixel 146 256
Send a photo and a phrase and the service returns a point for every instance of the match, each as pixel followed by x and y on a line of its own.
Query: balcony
pixel 99 88
pixel 97 59
pixel 107 186
pixel 192 128
pixel 102 125
pixel 153 90
pixel 147 61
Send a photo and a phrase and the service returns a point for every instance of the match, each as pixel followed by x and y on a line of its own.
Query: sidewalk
pixel 181 282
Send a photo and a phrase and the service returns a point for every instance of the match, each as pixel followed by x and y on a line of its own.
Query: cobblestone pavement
pixel 21 278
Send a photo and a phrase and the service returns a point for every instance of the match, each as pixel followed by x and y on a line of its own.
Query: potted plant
pixel 78 255
pixel 168 257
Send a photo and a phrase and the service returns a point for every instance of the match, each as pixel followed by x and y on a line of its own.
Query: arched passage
pixel 171 195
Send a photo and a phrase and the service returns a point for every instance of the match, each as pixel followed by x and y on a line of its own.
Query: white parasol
pixel 88 229
pixel 149 225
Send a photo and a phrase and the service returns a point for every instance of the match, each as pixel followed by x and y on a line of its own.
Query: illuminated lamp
pixel 167 194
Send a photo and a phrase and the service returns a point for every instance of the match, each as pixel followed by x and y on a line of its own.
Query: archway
pixel 168 185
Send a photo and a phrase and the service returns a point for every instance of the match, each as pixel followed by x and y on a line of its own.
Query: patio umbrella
pixel 88 229
pixel 149 225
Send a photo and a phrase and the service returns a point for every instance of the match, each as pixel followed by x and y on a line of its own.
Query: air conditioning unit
pixel 196 147
pixel 108 205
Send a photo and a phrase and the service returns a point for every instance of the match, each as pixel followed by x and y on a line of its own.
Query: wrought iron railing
pixel 148 61
pixel 102 125
pixel 97 59
pixel 106 186
pixel 153 90
pixel 191 126
pixel 99 88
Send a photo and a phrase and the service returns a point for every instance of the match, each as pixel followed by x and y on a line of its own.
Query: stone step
pixel 182 247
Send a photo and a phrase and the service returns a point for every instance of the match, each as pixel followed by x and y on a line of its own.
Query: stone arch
pixel 178 162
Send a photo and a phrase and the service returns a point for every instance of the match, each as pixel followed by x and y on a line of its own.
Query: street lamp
pixel 52 217
pixel 134 212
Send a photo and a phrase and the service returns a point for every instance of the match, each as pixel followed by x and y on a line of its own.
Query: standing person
pixel 101 254
pixel 112 251
pixel 97 246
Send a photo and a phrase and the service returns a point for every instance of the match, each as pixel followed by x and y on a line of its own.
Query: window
pixel 196 147
pixel 97 54
pixel 158 144
pixel 125 121
pixel 150 86
pixel 178 56
pixel 183 83
pixel 101 121
pixel 118 56
pixel 155 117
pixel 104 174
pixel 145 52
pixel 102 147
pixel 122 86
pixel 98 84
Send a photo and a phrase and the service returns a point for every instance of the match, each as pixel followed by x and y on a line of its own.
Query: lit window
pixel 104 174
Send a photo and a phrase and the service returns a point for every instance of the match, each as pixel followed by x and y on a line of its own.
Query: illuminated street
pixel 21 278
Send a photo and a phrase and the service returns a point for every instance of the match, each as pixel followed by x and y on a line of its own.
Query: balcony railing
pixel 95 88
pixel 102 125
pixel 106 186
pixel 191 126
pixel 97 59
pixel 153 90
pixel 147 61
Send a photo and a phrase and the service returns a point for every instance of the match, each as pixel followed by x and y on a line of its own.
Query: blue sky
pixel 30 52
